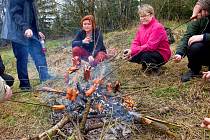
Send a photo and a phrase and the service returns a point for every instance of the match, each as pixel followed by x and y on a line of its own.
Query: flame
pixel 76 61
pixel 91 90
pixel 87 72
pixel 99 107
pixel 128 102
pixel 71 94
pixel 72 69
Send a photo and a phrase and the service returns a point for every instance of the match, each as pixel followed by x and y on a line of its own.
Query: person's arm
pixel 192 29
pixel 2 67
pixel 99 44
pixel 16 9
pixel 78 40
pixel 135 45
pixel 5 91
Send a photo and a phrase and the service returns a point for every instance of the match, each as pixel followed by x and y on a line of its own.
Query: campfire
pixel 92 105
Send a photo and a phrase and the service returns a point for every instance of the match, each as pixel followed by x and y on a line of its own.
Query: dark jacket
pixel 197 27
pixel 20 16
pixel 2 67
pixel 97 38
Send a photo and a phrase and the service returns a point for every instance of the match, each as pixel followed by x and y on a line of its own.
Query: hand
pixel 198 12
pixel 127 54
pixel 206 75
pixel 28 33
pixel 195 38
pixel 206 123
pixel 87 40
pixel 8 93
pixel 90 59
pixel 177 58
pixel 42 36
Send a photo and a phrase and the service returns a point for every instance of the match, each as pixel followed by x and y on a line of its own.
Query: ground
pixel 163 97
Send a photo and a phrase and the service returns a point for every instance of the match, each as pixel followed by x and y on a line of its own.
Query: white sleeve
pixel 2 88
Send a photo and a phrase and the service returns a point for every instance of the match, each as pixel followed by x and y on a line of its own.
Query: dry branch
pixel 85 115
pixel 54 130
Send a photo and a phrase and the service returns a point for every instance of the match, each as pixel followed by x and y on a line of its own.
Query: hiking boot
pixel 188 76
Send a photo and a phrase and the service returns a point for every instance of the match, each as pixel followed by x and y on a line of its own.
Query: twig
pixel 85 116
pixel 54 130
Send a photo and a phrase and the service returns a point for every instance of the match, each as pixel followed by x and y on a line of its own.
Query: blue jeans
pixel 21 52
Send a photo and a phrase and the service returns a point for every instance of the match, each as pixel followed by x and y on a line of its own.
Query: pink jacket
pixel 151 37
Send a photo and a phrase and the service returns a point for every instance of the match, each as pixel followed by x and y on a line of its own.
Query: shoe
pixel 188 76
pixel 26 88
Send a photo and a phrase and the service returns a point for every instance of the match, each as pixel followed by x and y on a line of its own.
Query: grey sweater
pixel 2 89
pixel 205 4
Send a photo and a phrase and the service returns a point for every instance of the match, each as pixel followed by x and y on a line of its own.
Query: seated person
pixel 8 78
pixel 88 43
pixel 195 45
pixel 150 46
pixel 5 90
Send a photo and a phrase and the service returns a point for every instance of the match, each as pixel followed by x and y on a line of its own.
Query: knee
pixel 195 48
pixel 76 51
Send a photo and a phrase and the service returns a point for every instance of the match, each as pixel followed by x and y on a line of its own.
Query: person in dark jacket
pixel 8 78
pixel 195 45
pixel 21 28
pixel 88 43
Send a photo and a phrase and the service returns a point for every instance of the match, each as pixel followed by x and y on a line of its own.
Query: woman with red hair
pixel 88 43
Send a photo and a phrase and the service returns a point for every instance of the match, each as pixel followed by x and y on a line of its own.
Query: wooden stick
pixel 85 115
pixel 54 130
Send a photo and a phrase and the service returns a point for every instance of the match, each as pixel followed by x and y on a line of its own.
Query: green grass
pixel 166 92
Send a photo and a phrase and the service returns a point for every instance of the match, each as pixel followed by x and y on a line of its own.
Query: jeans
pixel 21 52
pixel 198 55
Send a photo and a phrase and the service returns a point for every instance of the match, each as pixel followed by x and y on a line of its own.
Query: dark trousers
pixel 152 59
pixel 21 53
pixel 8 78
pixel 198 55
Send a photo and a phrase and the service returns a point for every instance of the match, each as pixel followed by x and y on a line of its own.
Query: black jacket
pixel 2 67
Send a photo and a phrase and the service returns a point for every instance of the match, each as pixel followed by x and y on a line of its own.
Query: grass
pixel 188 102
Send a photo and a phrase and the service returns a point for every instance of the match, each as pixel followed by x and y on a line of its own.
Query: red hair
pixel 90 18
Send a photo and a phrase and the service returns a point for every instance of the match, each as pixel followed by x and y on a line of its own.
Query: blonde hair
pixel 145 8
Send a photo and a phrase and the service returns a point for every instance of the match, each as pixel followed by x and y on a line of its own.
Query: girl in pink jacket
pixel 150 46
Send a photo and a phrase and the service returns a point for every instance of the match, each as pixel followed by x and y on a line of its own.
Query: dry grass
pixel 187 102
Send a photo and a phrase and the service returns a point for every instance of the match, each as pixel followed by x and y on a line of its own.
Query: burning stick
pixel 87 72
pixel 72 69
pixel 90 91
pixel 54 107
pixel 48 89
pixel 71 94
